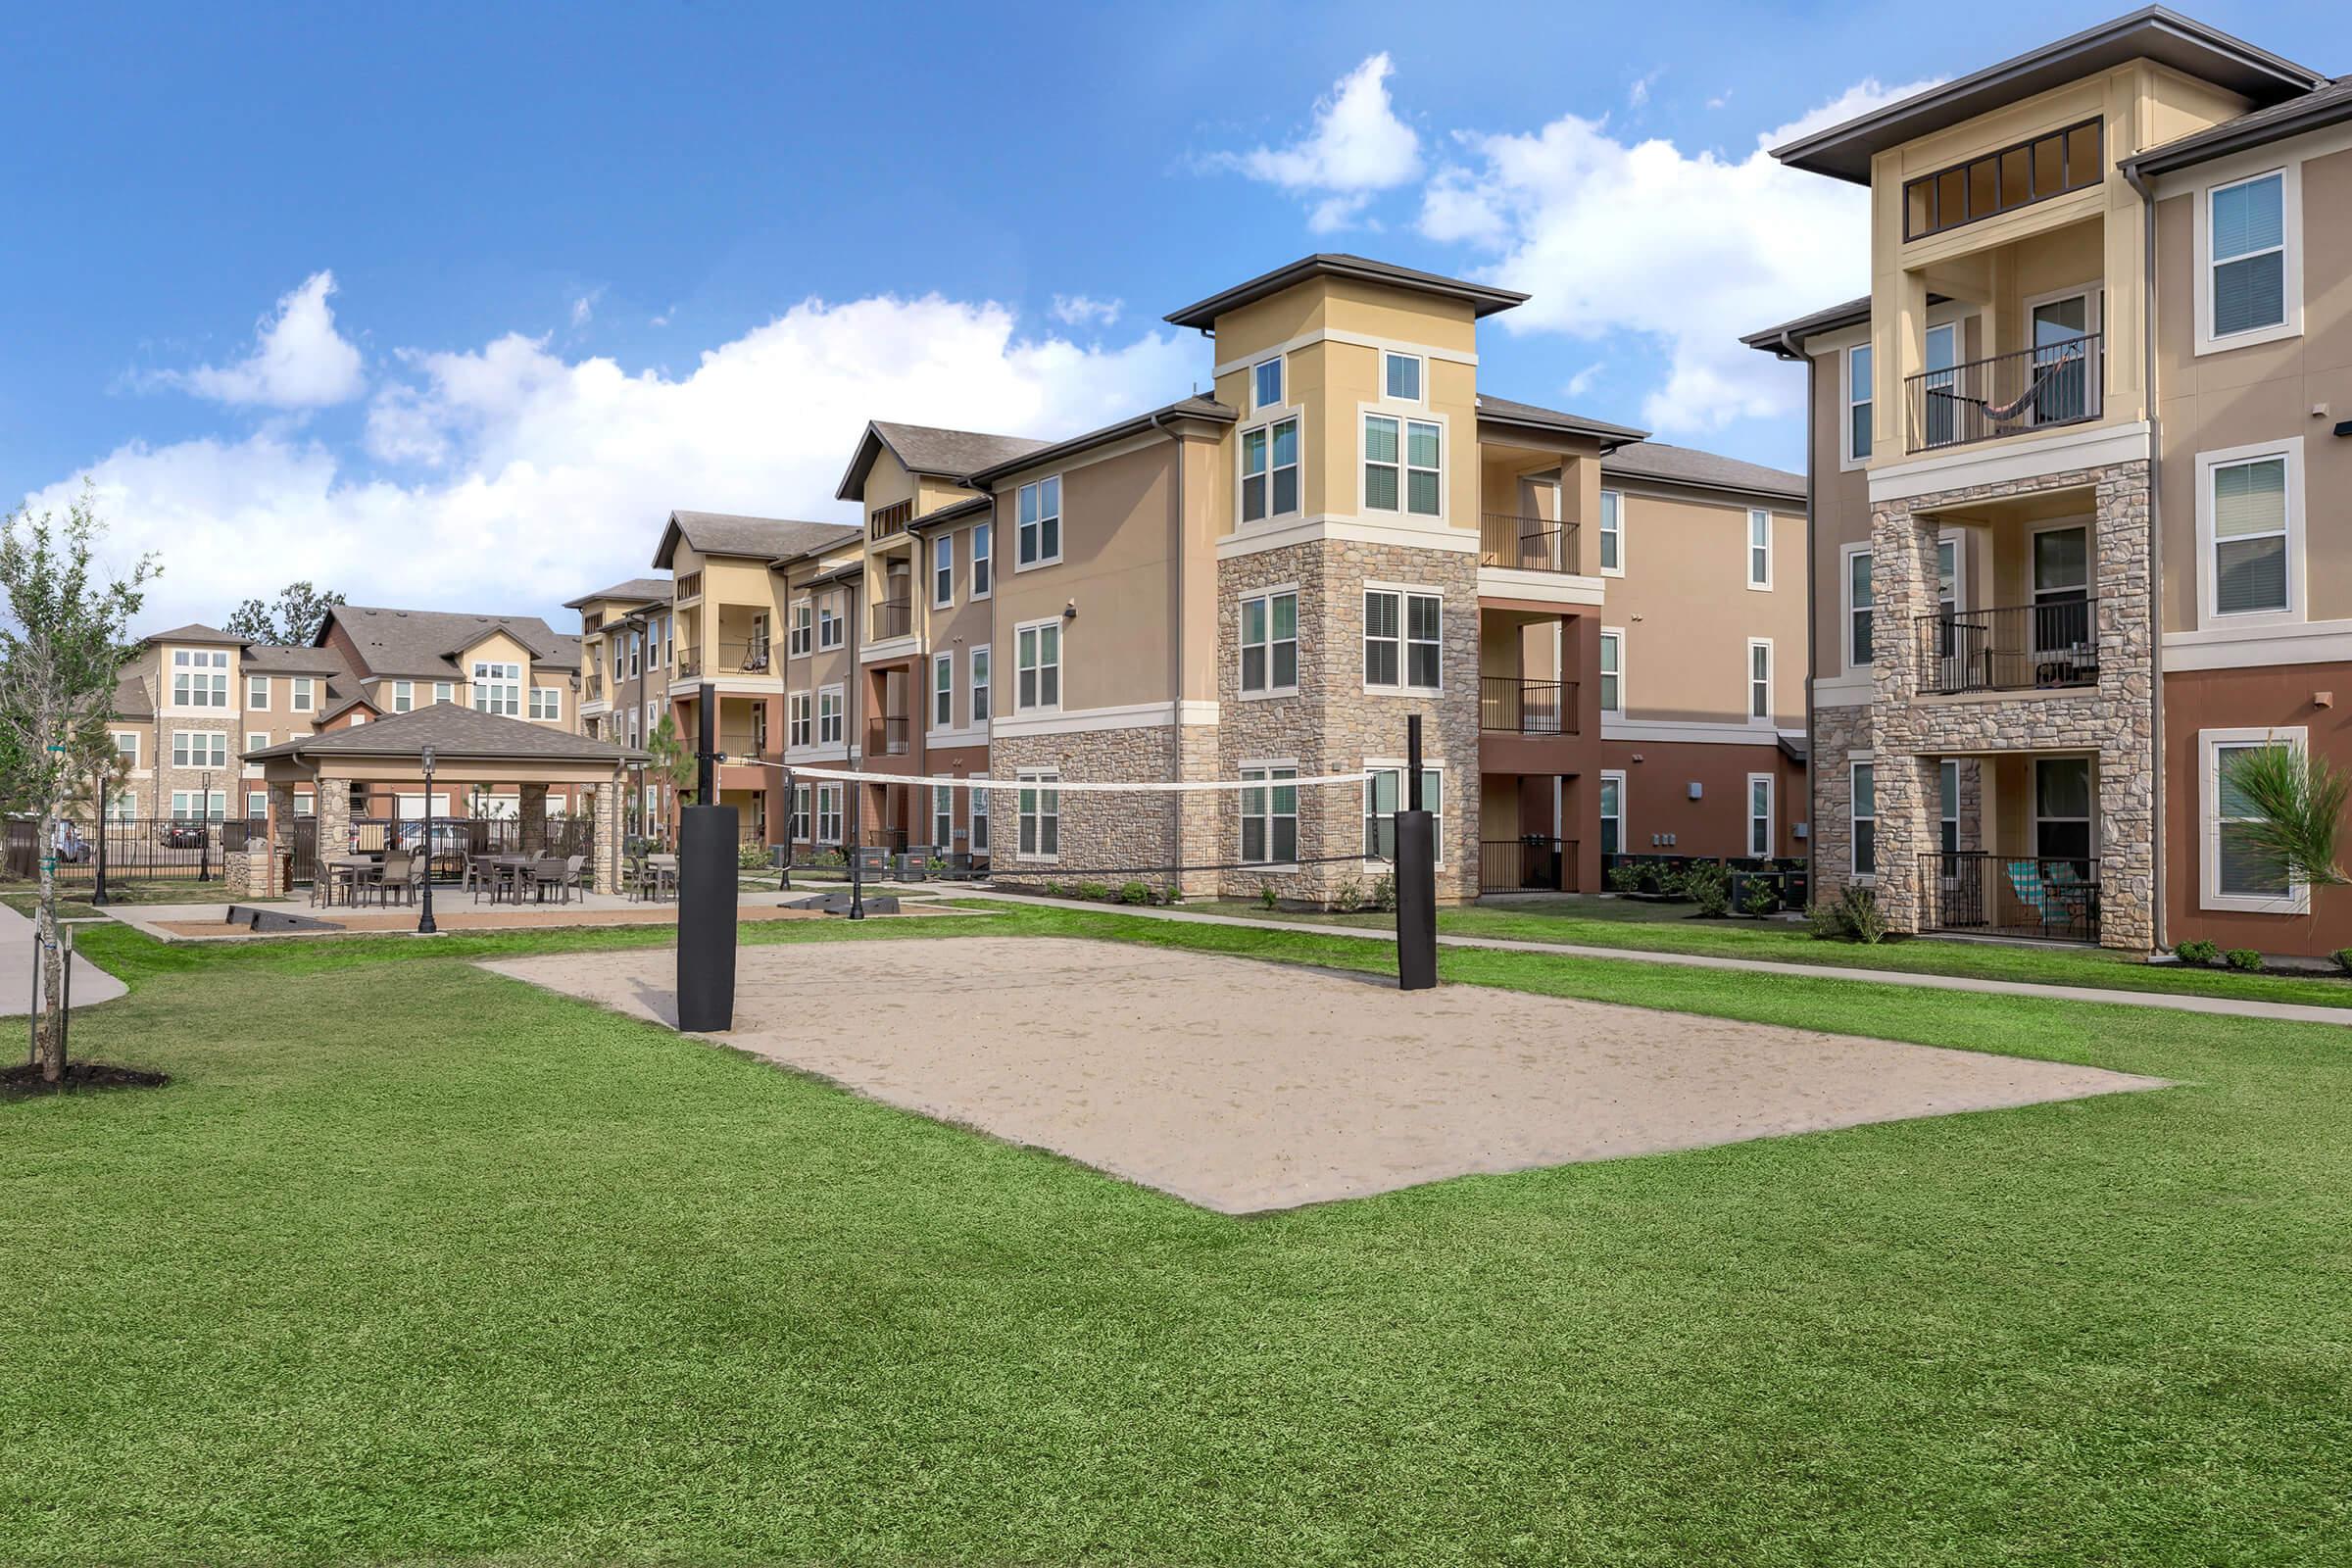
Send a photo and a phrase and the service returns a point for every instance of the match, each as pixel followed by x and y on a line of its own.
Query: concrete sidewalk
pixel 91 983
pixel 2224 1006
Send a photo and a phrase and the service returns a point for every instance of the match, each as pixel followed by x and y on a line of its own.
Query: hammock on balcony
pixel 2063 356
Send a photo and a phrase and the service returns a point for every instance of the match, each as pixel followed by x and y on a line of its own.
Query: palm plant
pixel 2293 810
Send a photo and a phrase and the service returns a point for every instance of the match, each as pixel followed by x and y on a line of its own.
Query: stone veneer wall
pixel 2115 720
pixel 1106 837
pixel 1838 733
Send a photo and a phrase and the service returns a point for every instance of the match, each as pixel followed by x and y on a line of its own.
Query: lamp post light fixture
pixel 204 827
pixel 424 918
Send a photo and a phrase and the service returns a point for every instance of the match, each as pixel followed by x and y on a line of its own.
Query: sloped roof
pixel 132 698
pixel 1507 412
pixel 1775 339
pixel 2327 105
pixel 426 642
pixel 451 731
pixel 1484 299
pixel 565 655
pixel 927 449
pixel 196 631
pixel 731 533
pixel 1710 471
pixel 1190 407
pixel 264 659
pixel 636 591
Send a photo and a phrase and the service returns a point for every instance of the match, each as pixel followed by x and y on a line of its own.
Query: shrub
pixel 1826 922
pixel 1762 897
pixel 1171 894
pixel 2343 960
pixel 935 866
pixel 2196 951
pixel 751 856
pixel 1053 890
pixel 1863 917
pixel 1624 877
pixel 1135 892
pixel 1267 898
pixel 2246 958
pixel 1384 893
pixel 1351 896
pixel 831 859
pixel 1707 884
pixel 1097 891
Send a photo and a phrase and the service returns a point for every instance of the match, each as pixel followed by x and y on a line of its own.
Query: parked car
pixel 449 838
pixel 178 835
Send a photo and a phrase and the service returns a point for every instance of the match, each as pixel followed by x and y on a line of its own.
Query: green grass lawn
pixel 1670 928
pixel 74 897
pixel 415 1263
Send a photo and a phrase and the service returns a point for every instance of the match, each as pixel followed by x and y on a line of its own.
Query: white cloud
pixel 663 319
pixel 1082 310
pixel 542 476
pixel 299 360
pixel 1582 382
pixel 1638 93
pixel 583 308
pixel 1355 147
pixel 1690 250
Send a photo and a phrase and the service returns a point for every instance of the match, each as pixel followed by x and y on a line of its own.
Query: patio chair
pixel 661 875
pixel 480 876
pixel 2059 895
pixel 541 875
pixel 393 875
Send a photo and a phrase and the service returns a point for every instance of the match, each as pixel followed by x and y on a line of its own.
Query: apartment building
pixel 2075 541
pixel 196 701
pixel 1263 582
pixel 627 642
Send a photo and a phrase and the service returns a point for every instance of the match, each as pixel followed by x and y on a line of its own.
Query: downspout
pixel 1790 349
pixel 1176 569
pixel 2156 759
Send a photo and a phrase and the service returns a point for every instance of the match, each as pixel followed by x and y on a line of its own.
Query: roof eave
pixel 1483 298
pixel 2206 146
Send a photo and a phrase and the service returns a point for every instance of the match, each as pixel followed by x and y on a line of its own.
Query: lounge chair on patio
pixel 393 877
pixel 2054 891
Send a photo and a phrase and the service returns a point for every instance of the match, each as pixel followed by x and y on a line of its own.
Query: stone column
pixel 1908 783
pixel 603 806
pixel 534 818
pixel 280 844
pixel 333 797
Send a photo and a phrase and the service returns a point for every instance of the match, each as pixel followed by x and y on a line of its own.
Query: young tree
pixel 301 610
pixel 2290 811
pixel 64 636
pixel 674 768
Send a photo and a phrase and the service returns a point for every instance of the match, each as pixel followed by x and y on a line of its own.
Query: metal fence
pixel 1530 865
pixel 2010 648
pixel 136 848
pixel 1971 891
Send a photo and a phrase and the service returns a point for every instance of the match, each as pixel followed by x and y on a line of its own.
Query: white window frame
pixel 1281 387
pixel 803 636
pixel 1242 644
pixel 1848 458
pixel 1297 465
pixel 838 718
pixel 2208 577
pixel 130 753
pixel 1022 560
pixel 546 703
pixel 215 747
pixel 1757 686
pixel 2290 213
pixel 803 821
pixel 2211 744
pixel 831 624
pixel 800 720
pixel 257 803
pixel 1404 594
pixel 943 572
pixel 256 740
pixel 496 682
pixel 976 824
pixel 1261 811
pixel 1768 816
pixel 1034 785
pixel 984 561
pixel 943 691
pixel 829 807
pixel 199 679
pixel 445 691
pixel 1436 808
pixel 942 816
pixel 1420 365
pixel 1404 416
pixel 256 694
pixel 981 668
pixel 1020 695
pixel 1853 820
pixel 1761 583
pixel 214 810
pixel 404 696
pixel 1848 609
pixel 1612 532
pixel 1616 776
pixel 1601 673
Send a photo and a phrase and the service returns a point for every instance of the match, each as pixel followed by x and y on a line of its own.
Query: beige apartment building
pixel 1262 583
pixel 2077 464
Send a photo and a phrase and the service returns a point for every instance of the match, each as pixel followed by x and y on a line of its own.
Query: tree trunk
pixel 49 1035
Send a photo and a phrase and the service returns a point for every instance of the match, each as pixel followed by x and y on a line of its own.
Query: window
pixel 2236 874
pixel 2249 522
pixel 1270 470
pixel 829 813
pixel 1760 546
pixel 305 805
pixel 980 663
pixel 1415 471
pixel 801 798
pixel 199 679
pixel 1866 819
pixel 358 719
pixel 756 646
pixel 942 814
pixel 1270 817
pixel 1266 382
pixel 257 803
pixel 636 654
pixel 2014 176
pixel 829 715
pixel 830 624
pixel 620 654
pixel 1040 833
pixel 1759 678
pixel 979 844
pixel 984 537
pixel 804 628
pixel 1857 403
pixel 1401 639
pixel 800 720
pixel 1384 798
pixel 943 572
pixel 256 740
pixel 2062 807
pixel 2062 589
pixel 547 702
pixel 404 696
pixel 1037 667
pixel 1270 643
pixel 1759 814
pixel 2246 234
pixel 1039 533
pixel 1949 796
pixel 1612 814
pixel 445 691
pixel 1612 672
pixel 1401 376
pixel 497 688
pixel 199 748
pixel 1612 534
pixel 127 744
pixel 191 804
pixel 943 691
pixel 257 691
pixel 1859 602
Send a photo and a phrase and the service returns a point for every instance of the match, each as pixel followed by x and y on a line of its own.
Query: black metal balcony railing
pixel 1979 893
pixel 893 618
pixel 1530 865
pixel 2020 648
pixel 2009 394
pixel 1514 707
pixel 744 659
pixel 1526 543
pixel 887 737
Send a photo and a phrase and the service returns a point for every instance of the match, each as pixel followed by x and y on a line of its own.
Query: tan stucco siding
pixel 1688 614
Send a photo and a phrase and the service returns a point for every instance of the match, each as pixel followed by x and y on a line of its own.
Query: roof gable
pixel 929 450
pixel 732 533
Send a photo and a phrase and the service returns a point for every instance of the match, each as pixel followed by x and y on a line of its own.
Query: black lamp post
pixel 98 899
pixel 424 918
pixel 204 828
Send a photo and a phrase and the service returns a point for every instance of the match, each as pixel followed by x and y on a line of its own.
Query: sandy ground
pixel 1244 1086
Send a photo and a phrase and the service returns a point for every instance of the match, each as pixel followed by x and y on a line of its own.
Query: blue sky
pixel 448 306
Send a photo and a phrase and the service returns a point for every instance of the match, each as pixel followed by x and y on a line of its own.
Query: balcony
pixel 888 736
pixel 690 664
pixel 1531 865
pixel 592 689
pixel 2041 388
pixel 1973 893
pixel 893 618
pixel 754 657
pixel 1508 706
pixel 1526 543
pixel 2044 647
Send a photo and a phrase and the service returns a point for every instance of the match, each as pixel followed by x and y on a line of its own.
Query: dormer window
pixel 2029 171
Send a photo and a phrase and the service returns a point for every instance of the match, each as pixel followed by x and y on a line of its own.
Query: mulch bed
pixel 23 1080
